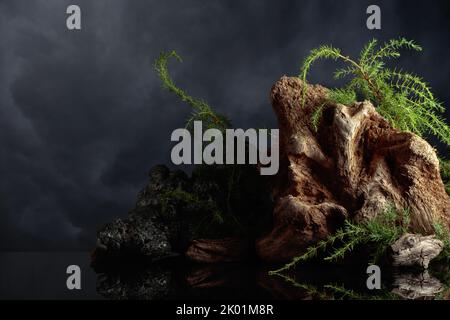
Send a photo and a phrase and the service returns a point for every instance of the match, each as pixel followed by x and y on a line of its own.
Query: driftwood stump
pixel 352 167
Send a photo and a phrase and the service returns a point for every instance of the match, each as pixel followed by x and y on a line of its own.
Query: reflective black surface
pixel 43 276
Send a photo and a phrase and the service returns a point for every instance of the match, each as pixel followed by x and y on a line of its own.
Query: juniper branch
pixel 202 111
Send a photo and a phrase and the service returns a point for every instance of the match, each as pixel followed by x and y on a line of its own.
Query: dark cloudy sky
pixel 82 115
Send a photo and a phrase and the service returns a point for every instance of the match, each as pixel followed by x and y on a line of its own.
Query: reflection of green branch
pixel 213 213
pixel 445 173
pixel 353 295
pixel 444 294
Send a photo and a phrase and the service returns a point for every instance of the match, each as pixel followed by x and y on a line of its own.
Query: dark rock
pixel 174 209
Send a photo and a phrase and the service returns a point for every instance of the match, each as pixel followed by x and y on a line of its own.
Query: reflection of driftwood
pixel 218 250
pixel 415 250
pixel 416 286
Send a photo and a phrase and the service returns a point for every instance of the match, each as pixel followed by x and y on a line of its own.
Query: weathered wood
pixel 415 250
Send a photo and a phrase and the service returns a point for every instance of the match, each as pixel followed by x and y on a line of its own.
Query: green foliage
pixel 443 274
pixel 381 231
pixel 445 173
pixel 443 234
pixel 201 110
pixel 404 99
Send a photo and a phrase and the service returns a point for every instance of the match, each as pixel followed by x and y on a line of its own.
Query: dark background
pixel 82 114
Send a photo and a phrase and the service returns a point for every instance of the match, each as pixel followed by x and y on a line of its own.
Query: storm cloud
pixel 82 114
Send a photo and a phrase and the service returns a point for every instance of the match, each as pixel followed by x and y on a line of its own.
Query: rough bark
pixel 352 167
pixel 415 250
